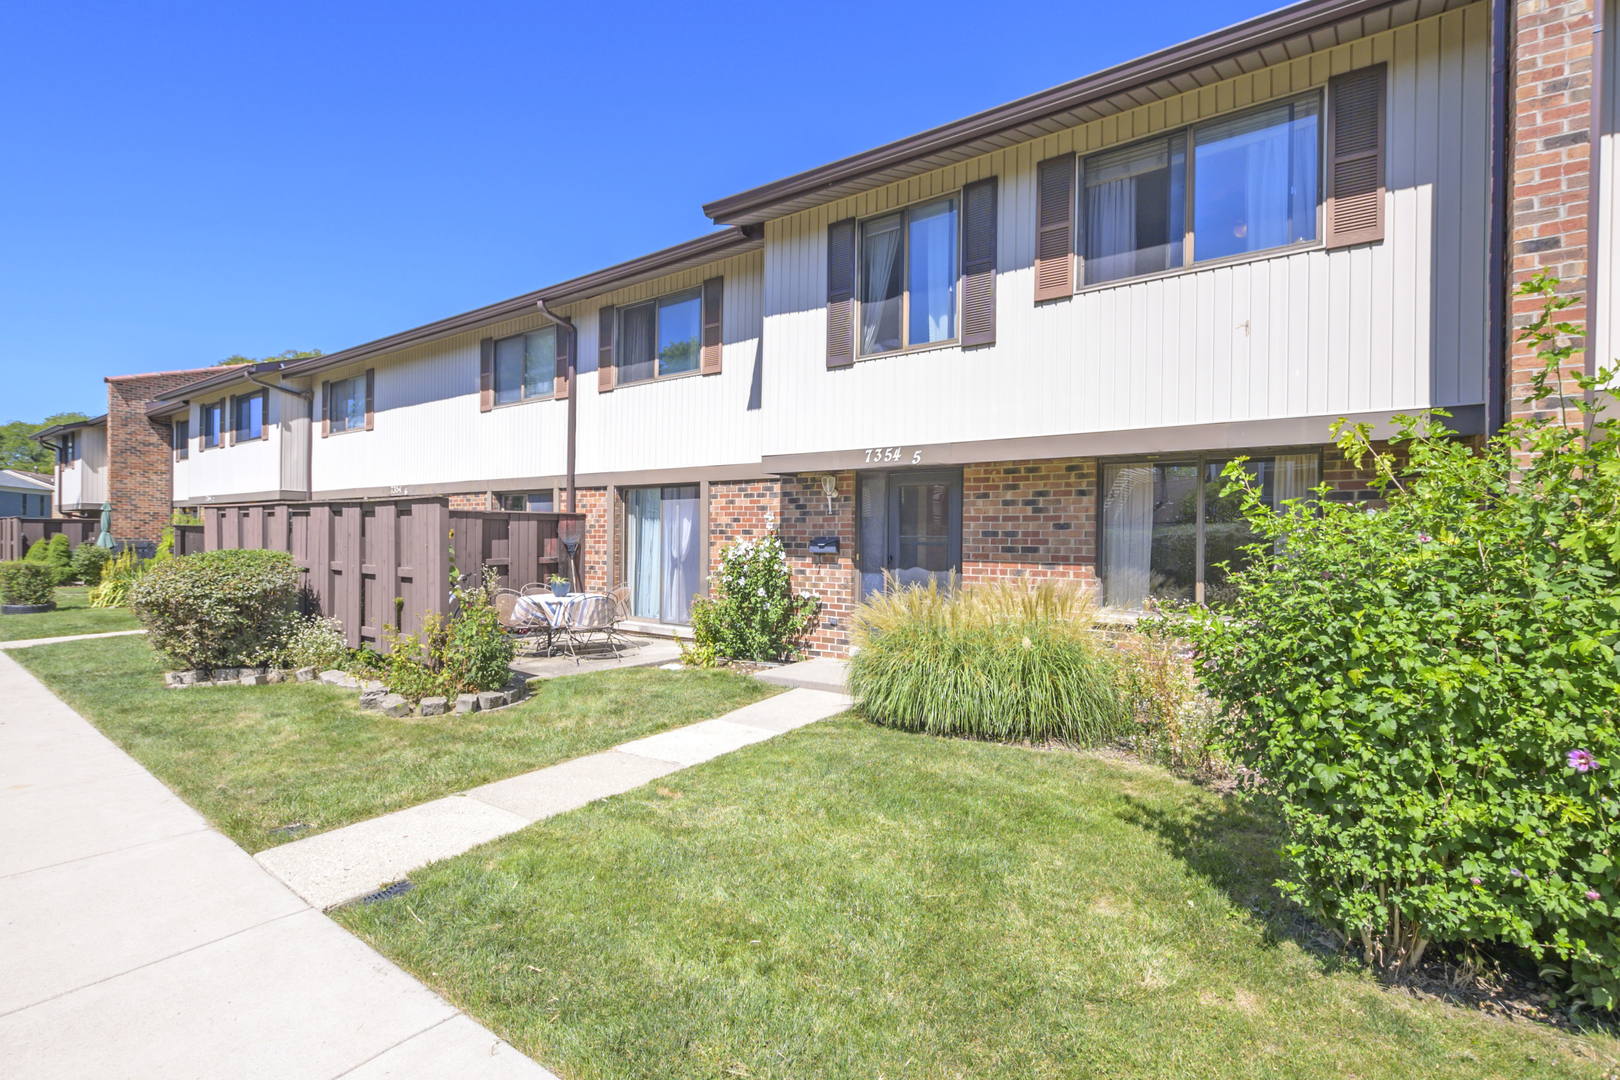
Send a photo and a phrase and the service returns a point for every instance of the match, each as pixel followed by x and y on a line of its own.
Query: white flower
pixel 762 590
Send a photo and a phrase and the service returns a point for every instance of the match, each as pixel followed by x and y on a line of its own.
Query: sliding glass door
pixel 1170 535
pixel 662 551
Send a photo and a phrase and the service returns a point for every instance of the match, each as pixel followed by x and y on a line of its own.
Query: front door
pixel 910 528
pixel 663 551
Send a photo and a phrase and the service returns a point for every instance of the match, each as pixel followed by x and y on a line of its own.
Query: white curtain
pixel 1111 230
pixel 933 272
pixel 680 559
pixel 880 312
pixel 1127 534
pixel 874 526
pixel 1295 477
pixel 644 522
pixel 1267 190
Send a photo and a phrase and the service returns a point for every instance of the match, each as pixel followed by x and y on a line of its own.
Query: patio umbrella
pixel 105 540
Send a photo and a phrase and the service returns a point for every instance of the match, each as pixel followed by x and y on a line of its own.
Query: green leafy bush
pixel 24 582
pixel 1430 690
pixel 88 562
pixel 753 614
pixel 463 653
pixel 1177 725
pixel 218 608
pixel 1009 661
pixel 39 551
pixel 60 556
pixel 118 578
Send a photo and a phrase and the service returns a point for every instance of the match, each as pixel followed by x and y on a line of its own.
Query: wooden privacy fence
pixel 374 565
pixel 17 534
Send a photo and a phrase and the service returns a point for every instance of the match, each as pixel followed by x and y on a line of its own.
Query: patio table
pixel 549 608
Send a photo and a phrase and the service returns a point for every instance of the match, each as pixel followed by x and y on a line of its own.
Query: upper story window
pixel 1251 185
pixel 211 417
pixel 70 449
pixel 249 420
pixel 908 277
pixel 347 404
pixel 182 439
pixel 661 337
pixel 525 366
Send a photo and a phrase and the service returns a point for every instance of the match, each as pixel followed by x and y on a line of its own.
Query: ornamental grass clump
pixel 1430 691
pixel 1011 661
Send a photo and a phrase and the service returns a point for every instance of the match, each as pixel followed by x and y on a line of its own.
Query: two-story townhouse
pixel 1025 342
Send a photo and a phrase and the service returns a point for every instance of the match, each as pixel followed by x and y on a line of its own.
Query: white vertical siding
pixel 85 484
pixel 1606 344
pixel 251 467
pixel 1393 325
pixel 292 440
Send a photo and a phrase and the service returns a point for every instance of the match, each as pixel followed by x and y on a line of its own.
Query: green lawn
pixel 850 902
pixel 73 615
pixel 254 758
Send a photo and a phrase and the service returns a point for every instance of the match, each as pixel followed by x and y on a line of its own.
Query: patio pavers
pixel 345 864
pixel 140 943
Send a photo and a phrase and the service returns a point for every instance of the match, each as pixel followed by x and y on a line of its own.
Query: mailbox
pixel 824 545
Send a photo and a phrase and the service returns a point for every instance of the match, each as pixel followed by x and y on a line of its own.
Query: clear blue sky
pixel 184 182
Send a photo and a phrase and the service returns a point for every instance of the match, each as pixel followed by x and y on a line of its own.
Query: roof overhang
pixel 1275 38
pixel 18 480
pixel 73 425
pixel 222 378
pixel 706 249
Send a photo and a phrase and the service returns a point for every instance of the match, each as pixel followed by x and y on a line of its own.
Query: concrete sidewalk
pixel 29 643
pixel 136 942
pixel 335 867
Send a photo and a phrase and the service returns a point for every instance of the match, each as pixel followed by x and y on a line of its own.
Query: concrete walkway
pixel 136 942
pixel 29 643
pixel 345 864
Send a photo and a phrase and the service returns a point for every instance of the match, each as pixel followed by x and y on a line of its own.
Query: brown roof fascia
pixel 73 425
pixel 1267 30
pixel 732 241
pixel 222 377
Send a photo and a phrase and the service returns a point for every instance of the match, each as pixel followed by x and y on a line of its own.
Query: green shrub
pixel 39 551
pixel 317 642
pixel 88 562
pixel 463 653
pixel 218 608
pixel 118 578
pixel 23 582
pixel 753 614
pixel 1177 725
pixel 1010 661
pixel 1430 691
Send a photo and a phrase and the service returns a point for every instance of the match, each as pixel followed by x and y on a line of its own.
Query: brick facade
pixel 1036 518
pixel 140 459
pixel 1550 171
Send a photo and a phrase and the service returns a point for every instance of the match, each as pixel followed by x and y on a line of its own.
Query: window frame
pixel 495 371
pixel 905 277
pixel 331 421
pixel 239 403
pixel 210 418
pixel 180 438
pixel 1201 459
pixel 619 312
pixel 502 496
pixel 1190 262
pixel 72 450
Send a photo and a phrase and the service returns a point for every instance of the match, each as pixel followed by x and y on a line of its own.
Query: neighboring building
pixel 1022 343
pixel 25 494
pixel 120 457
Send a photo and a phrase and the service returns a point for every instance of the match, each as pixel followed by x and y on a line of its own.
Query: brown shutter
pixel 264 414
pixel 979 263
pixel 1355 171
pixel 604 349
pixel 326 409
pixel 841 293
pixel 1054 228
pixel 564 351
pixel 486 374
pixel 230 420
pixel 714 291
pixel 371 397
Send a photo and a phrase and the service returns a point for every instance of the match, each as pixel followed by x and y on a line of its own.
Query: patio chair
pixel 590 616
pixel 519 625
pixel 621 600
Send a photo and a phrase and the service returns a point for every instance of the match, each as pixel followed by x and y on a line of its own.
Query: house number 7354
pixel 892 454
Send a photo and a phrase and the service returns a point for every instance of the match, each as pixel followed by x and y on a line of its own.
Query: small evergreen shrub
pixel 39 551
pixel 60 556
pixel 24 582
pixel 1009 661
pixel 752 614
pixel 1430 691
pixel 218 608
pixel 88 562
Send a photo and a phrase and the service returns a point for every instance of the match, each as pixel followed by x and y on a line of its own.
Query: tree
pixel 18 450
pixel 290 354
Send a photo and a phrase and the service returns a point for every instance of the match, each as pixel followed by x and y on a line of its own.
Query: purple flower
pixel 1476 881
pixel 1581 760
pixel 1516 873
pixel 1592 894
pixel 1424 538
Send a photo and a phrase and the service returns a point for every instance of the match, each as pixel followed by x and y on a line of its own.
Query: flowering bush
pixel 752 614
pixel 314 641
pixel 1430 690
